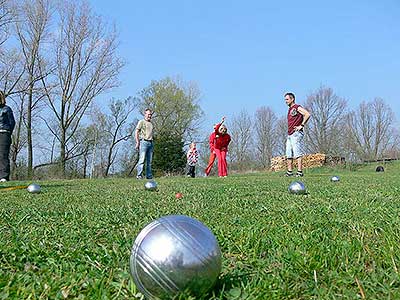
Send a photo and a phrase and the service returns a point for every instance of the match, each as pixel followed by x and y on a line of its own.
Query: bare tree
pixel 81 148
pixel 19 140
pixel 6 19
pixel 31 28
pixel 323 130
pixel 86 65
pixel 393 149
pixel 240 149
pixel 116 127
pixel 281 133
pixel 369 129
pixel 265 135
pixel 11 71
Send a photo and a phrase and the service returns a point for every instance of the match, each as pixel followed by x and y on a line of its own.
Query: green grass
pixel 340 241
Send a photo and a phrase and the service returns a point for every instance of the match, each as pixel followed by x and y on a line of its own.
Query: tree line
pixel 57 60
pixel 366 133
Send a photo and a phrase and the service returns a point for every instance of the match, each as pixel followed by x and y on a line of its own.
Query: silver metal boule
pixel 297 187
pixel 33 188
pixel 335 178
pixel 150 185
pixel 175 254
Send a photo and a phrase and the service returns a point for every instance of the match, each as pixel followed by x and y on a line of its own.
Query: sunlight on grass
pixel 340 241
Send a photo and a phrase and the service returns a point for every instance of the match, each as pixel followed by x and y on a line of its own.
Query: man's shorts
pixel 295 145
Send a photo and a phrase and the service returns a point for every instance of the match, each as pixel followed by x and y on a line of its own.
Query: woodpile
pixel 278 163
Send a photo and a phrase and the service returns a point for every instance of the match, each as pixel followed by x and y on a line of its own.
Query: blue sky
pixel 246 54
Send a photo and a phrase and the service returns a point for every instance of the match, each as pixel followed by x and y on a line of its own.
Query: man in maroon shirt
pixel 297 117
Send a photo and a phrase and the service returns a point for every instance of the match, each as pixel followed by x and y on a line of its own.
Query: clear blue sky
pixel 246 54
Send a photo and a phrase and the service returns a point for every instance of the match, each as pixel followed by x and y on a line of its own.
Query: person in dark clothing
pixel 7 124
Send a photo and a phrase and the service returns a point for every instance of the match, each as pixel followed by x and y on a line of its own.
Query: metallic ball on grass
pixel 335 178
pixel 150 185
pixel 297 187
pixel 379 169
pixel 175 254
pixel 34 188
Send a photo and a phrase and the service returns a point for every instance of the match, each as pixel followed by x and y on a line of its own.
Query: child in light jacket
pixel 192 159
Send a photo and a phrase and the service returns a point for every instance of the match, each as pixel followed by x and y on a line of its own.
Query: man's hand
pixel 298 128
pixel 137 145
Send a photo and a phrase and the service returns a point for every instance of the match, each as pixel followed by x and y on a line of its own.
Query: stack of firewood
pixel 314 160
pixel 278 163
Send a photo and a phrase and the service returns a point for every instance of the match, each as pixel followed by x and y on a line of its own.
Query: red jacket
pixel 221 141
pixel 211 141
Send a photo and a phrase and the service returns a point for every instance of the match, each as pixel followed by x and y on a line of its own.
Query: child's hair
pixel 222 129
pixel 2 98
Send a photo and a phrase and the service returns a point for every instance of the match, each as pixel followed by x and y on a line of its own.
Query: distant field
pixel 341 241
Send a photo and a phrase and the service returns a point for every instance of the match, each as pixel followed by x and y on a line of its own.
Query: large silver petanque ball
pixel 335 178
pixel 379 169
pixel 150 185
pixel 34 188
pixel 175 254
pixel 297 187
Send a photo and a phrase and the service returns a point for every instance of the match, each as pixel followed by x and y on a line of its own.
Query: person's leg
pixel 224 164
pixel 300 164
pixel 188 170
pixel 210 163
pixel 289 167
pixel 192 171
pixel 5 143
pixel 219 158
pixel 298 151
pixel 289 156
pixel 142 157
pixel 149 159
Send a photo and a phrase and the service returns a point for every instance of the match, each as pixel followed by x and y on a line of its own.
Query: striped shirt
pixel 192 157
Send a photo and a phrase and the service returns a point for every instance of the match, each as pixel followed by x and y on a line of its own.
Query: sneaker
pixel 139 177
pixel 3 180
pixel 299 174
pixel 288 174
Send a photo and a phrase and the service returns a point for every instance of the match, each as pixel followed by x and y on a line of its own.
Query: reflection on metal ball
pixel 33 188
pixel 297 187
pixel 335 178
pixel 175 254
pixel 150 185
pixel 379 169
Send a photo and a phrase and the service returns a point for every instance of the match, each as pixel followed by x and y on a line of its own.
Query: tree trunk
pixel 29 130
pixel 62 153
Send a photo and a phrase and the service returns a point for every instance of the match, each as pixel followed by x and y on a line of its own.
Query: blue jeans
pixel 145 153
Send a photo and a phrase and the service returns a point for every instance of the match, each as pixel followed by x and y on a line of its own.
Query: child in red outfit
pixel 211 141
pixel 221 142
pixel 212 154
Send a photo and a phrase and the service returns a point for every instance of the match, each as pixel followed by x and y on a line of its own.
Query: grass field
pixel 340 241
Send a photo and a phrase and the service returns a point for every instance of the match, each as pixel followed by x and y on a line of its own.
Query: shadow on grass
pixel 230 286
